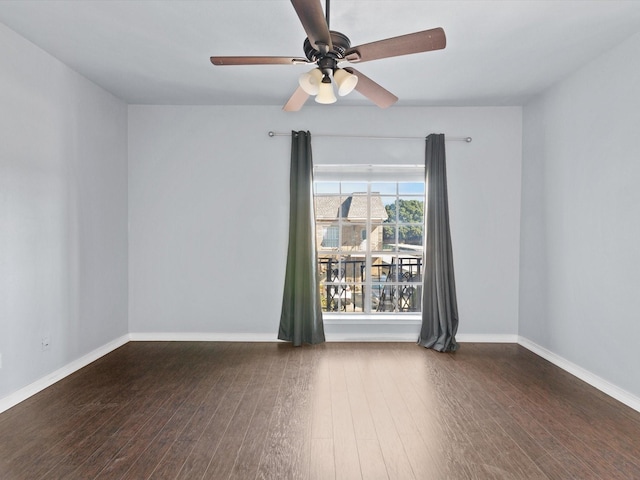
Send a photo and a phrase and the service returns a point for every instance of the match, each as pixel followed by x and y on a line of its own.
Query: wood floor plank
pixel 247 458
pixel 395 458
pixel 287 449
pixel 347 460
pixel 322 462
pixel 175 457
pixel 239 456
pixel 363 424
pixel 321 408
pixel 372 465
pixel 429 449
pixel 231 389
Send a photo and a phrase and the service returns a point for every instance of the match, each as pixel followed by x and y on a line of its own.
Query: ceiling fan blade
pixel 258 61
pixel 315 25
pixel 296 101
pixel 417 42
pixel 374 92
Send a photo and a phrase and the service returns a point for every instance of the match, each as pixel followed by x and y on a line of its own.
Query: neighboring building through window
pixel 370 245
pixel 330 236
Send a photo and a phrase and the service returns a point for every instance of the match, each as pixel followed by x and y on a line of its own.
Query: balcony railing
pixel 394 287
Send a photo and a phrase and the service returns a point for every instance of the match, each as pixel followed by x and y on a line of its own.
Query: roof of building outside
pixel 353 207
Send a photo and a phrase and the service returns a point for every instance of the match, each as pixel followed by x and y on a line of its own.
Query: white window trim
pixel 371 319
pixel 370 173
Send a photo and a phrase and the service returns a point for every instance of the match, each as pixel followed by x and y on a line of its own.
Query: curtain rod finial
pixel 468 139
pixel 272 134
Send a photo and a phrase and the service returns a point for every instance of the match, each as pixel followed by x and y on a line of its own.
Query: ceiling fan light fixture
pixel 310 81
pixel 325 93
pixel 346 81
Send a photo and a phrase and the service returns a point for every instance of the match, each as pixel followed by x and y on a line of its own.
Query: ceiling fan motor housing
pixel 341 44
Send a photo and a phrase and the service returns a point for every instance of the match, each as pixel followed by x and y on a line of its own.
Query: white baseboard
pixel 413 338
pixel 202 337
pixel 261 337
pixel 486 338
pixel 330 336
pixel 20 395
pixel 595 381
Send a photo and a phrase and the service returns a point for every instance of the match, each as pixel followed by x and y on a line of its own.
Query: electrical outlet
pixel 46 342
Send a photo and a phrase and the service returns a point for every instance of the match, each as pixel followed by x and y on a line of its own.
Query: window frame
pixel 372 173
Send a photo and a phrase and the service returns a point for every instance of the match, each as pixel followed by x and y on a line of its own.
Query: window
pixel 330 236
pixel 371 244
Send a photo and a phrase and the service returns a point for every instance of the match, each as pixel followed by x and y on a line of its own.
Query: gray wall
pixel 63 214
pixel 580 254
pixel 208 206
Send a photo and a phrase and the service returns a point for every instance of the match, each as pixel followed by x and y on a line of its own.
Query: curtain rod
pixel 373 137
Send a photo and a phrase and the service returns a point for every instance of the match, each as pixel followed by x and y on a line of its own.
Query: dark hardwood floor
pixel 344 410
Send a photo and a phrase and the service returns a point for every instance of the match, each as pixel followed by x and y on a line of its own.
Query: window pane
pixel 411 210
pixel 330 237
pixel 327 187
pixel 352 236
pixel 375 237
pixel 389 204
pixel 329 268
pixel 353 268
pixel 409 298
pixel 375 294
pixel 344 209
pixel 384 188
pixel 411 188
pixel 395 274
pixel 379 270
pixel 354 187
pixel 355 208
pixel 410 235
pixel 327 209
pixel 335 292
pixel 410 268
pixel 387 298
pixel 389 241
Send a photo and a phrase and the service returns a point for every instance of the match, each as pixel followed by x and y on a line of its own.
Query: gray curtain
pixel 439 304
pixel 301 317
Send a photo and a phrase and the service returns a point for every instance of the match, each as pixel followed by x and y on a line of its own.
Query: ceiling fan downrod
pixel 327 6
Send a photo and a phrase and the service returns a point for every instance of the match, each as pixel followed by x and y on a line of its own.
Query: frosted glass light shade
pixel 325 94
pixel 346 81
pixel 310 81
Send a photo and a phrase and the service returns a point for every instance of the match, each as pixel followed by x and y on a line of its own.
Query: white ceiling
pixel 157 52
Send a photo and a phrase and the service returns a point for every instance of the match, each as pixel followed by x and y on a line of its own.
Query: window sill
pixel 371 319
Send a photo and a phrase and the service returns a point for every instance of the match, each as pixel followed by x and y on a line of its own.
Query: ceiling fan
pixel 327 48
